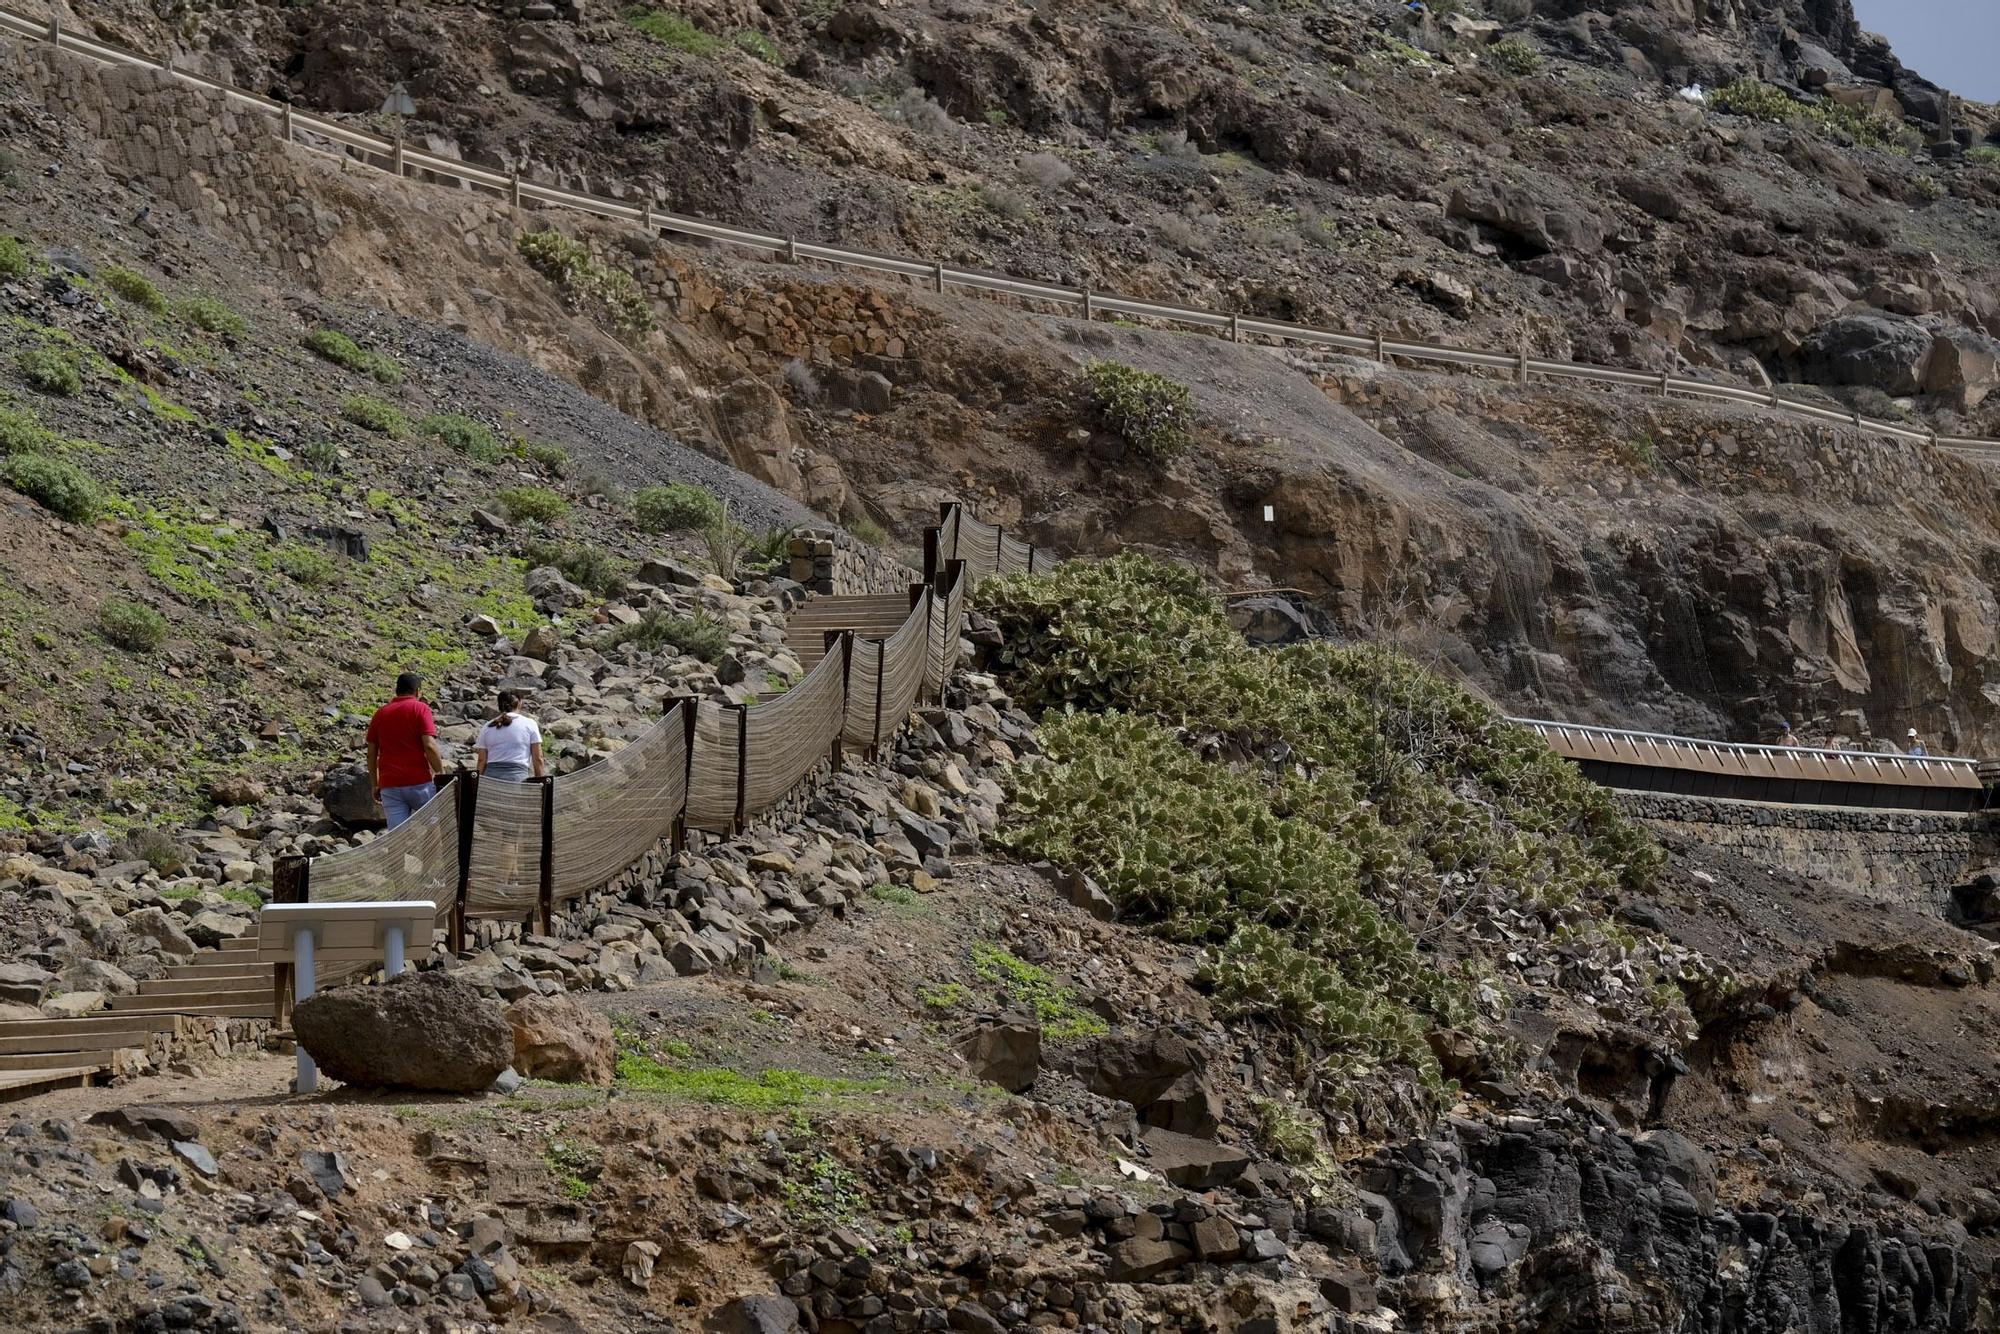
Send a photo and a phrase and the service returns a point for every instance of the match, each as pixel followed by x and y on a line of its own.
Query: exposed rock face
pixel 563 1040
pixel 1007 1052
pixel 415 1031
pixel 1160 1075
pixel 348 797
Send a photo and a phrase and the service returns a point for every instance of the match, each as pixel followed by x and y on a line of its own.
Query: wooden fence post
pixel 690 707
pixel 999 547
pixel 285 122
pixel 291 882
pixel 881 670
pixel 742 767
pixel 917 594
pixel 843 641
pixel 548 888
pixel 468 808
pixel 930 552
pixel 55 28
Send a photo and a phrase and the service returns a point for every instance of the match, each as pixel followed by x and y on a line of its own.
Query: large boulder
pixel 24 984
pixel 416 1031
pixel 1867 349
pixel 1963 368
pixel 1160 1075
pixel 1006 1051
pixel 348 798
pixel 561 1039
pixel 1530 224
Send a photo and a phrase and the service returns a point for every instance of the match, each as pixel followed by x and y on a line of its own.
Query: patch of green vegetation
pixel 322 456
pixel 533 504
pixel 760 46
pixel 57 485
pixel 213 316
pixel 944 995
pixel 341 350
pixel 584 564
pixel 21 432
pixel 1640 453
pixel 132 626
pixel 242 894
pixel 51 371
pixel 308 566
pixel 264 454
pixel 135 288
pixel 583 277
pixel 1511 55
pixel 575 1164
pixel 1985 155
pixel 1760 101
pixel 1152 413
pixel 551 459
pixel 372 414
pixel 1054 1004
pixel 824 1194
pixel 700 635
pixel 1402 798
pixel 162 407
pixel 677 507
pixel 467 435
pixel 900 895
pixel 178 551
pixel 13 258
pixel 769 1090
pixel 673 30
pixel 1292 1135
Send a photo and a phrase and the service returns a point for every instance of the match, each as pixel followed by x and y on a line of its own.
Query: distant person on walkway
pixel 1916 746
pixel 1786 736
pixel 403 756
pixel 510 747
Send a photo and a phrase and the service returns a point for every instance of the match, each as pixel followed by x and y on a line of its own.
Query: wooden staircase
pixel 869 615
pixel 225 983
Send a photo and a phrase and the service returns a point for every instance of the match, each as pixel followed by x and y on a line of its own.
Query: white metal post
pixel 302 990
pixel 392 950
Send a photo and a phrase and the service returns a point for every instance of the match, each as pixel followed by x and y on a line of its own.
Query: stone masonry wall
pixel 1903 857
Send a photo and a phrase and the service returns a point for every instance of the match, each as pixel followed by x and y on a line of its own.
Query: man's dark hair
pixel 407 683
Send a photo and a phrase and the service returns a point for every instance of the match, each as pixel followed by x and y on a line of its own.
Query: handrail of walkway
pixel 402 160
pixel 1803 761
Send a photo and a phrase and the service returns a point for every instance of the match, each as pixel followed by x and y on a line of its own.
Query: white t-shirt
pixel 510 744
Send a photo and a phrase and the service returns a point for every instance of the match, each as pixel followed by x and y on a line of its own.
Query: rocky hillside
pixel 1535 183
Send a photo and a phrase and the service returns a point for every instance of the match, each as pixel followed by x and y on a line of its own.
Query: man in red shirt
pixel 403 755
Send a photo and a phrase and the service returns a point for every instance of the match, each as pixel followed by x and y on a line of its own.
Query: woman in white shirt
pixel 510 747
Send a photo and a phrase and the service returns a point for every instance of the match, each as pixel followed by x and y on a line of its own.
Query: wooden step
pixel 241 944
pixel 202 986
pixel 111 1037
pixel 55 1028
pixel 211 1000
pixel 20 1083
pixel 58 1060
pixel 171 1007
pixel 220 970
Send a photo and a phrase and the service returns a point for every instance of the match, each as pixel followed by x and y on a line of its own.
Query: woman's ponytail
pixel 508 701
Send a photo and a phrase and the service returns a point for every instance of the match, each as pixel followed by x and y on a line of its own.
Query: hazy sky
pixel 1951 42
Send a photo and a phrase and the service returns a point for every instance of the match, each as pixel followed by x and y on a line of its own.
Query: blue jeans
pixel 400 803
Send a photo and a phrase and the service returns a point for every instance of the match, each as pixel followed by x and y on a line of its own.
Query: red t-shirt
pixel 399 728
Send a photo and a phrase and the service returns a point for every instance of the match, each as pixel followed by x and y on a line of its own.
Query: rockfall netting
pixel 737 763
pixel 985 548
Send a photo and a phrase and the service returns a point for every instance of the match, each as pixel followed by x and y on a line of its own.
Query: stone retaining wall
pixel 1886 856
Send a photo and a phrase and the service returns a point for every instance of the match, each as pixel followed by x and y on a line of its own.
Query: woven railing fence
pixel 490 849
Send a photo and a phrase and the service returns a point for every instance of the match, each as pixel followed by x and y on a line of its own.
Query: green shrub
pixel 1401 798
pixel 535 504
pixel 158 849
pixel 341 350
pixel 13 258
pixel 205 312
pixel 59 486
pixel 726 541
pixel 372 414
pixel 582 563
pixel 136 288
pixel 677 507
pixel 132 626
pixel 321 456
pixel 570 265
pixel 23 433
pixel 700 635
pixel 869 532
pixel 551 459
pixel 1150 412
pixel 670 29
pixel 307 566
pixel 1513 56
pixel 468 435
pixel 51 371
pixel 760 46
pixel 1760 101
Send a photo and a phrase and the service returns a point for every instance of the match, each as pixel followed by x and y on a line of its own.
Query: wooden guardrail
pixel 393 155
